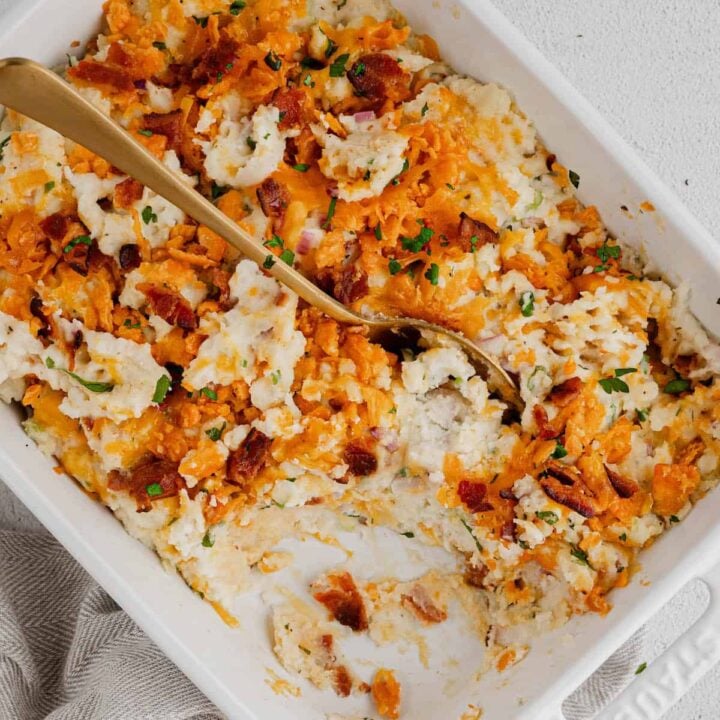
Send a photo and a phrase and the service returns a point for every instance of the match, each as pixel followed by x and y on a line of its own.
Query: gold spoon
pixel 38 93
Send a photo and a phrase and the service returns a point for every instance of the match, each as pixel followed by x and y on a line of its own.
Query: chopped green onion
pixel 330 48
pixel 394 266
pixel 276 241
pixel 237 6
pixel 273 61
pixel 207 541
pixel 641 668
pixel 148 215
pixel 79 240
pixel 417 243
pixel 330 213
pixel 154 489
pixel 301 167
pixel 548 516
pixel 424 110
pixel 49 186
pixel 146 133
pixel 337 68
pixel 288 257
pixel 559 452
pixel 209 393
pixel 433 274
pixel 269 261
pixel 160 45
pixel 579 555
pixel 527 303
pixel 161 389
pixel 378 232
pixel 605 252
pixel 677 386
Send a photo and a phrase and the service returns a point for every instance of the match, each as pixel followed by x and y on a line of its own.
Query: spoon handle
pixel 38 93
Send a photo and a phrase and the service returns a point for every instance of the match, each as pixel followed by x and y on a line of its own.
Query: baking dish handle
pixel 671 675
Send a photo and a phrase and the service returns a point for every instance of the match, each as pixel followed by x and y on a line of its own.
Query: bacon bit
pixel 564 393
pixel 386 694
pixel 169 125
pixel 215 61
pixel 475 575
pixel 624 486
pixel 472 494
pixel 550 161
pixel 172 307
pixel 220 280
pixel 78 258
pixel 469 229
pixel 249 459
pixel 508 531
pixel 692 452
pixel 359 459
pixel 55 226
pixel 291 104
pixel 379 77
pixel 546 431
pixel 274 199
pixel 420 602
pixel 129 256
pixel 342 682
pixel 127 192
pixel 565 486
pixel 108 76
pixel 346 286
pixel 340 596
pixel 163 473
pixel 36 310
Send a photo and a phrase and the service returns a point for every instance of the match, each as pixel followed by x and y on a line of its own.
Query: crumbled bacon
pixel 359 459
pixel 172 307
pixel 249 459
pixel 274 199
pixel 469 229
pixel 346 285
pixel 291 104
pixel 508 531
pixel 546 430
pixel 474 575
pixel 339 594
pixel 342 681
pixel 78 258
pixel 420 602
pixel 550 161
pixel 217 60
pixel 564 485
pixel 129 256
pixel 108 76
pixel 472 494
pixel 170 125
pixel 564 393
pixel 55 226
pixel 36 310
pixel 161 476
pixel 624 486
pixel 127 192
pixel 379 77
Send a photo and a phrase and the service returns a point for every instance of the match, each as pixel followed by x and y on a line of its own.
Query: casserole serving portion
pixel 219 418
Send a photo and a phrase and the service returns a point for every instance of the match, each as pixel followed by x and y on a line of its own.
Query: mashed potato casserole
pixel 217 415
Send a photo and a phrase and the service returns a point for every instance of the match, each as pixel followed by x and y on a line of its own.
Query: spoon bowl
pixel 38 93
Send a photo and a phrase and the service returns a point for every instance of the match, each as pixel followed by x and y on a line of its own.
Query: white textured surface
pixel 650 66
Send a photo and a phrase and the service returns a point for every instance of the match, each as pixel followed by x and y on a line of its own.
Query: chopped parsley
pixel 288 257
pixel 216 433
pixel 330 213
pixel 358 69
pixel 574 179
pixel 548 516
pixel 162 386
pixel 154 489
pixel 237 6
pixel 579 555
pixel 79 240
pixel 49 186
pixel 625 371
pixel 417 243
pixel 301 167
pixel 527 303
pixel 641 668
pixel 677 386
pixel 148 215
pixel 209 393
pixel 269 261
pixel 273 61
pixel 207 541
pixel 559 452
pixel 433 274
pixel 337 67
pixel 394 266
pixel 605 252
pixel 276 241
pixel 615 384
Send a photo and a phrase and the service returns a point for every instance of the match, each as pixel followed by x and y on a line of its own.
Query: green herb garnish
pixel 154 489
pixel 148 215
pixel 237 6
pixel 273 61
pixel 677 386
pixel 394 266
pixel 527 303
pixel 330 213
pixel 161 389
pixel 288 257
pixel 79 240
pixel 559 452
pixel 417 243
pixel 574 179
pixel 337 68
pixel 548 516
pixel 209 393
pixel 301 167
pixel 269 261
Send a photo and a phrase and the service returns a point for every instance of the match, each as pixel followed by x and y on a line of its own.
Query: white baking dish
pixel 231 665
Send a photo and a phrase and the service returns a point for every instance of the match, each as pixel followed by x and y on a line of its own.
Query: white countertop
pixel 650 66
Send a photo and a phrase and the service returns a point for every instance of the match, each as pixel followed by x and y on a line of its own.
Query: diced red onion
pixel 305 244
pixel 364 116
